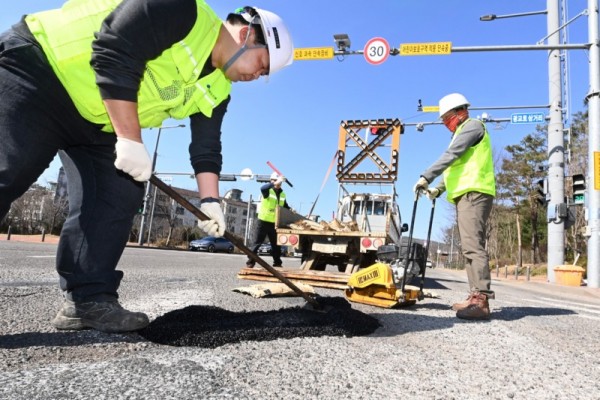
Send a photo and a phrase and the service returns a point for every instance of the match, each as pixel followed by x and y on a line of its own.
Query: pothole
pixel 210 327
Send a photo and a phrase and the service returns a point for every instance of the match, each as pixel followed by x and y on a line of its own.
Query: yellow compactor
pixel 383 284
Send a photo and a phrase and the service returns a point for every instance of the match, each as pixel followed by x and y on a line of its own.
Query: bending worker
pixel 469 181
pixel 272 196
pixel 83 80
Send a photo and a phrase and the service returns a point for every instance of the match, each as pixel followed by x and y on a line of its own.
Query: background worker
pixel 83 80
pixel 469 181
pixel 272 196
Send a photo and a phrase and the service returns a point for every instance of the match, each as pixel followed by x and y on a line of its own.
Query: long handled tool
pixel 233 239
pixel 426 252
pixel 323 184
pixel 279 173
pixel 409 251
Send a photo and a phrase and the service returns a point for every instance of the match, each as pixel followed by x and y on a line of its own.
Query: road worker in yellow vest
pixel 468 179
pixel 273 196
pixel 82 81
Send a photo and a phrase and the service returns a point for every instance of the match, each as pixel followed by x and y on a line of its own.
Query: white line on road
pixel 573 302
pixel 554 303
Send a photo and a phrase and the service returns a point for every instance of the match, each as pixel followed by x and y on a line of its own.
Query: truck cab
pixel 372 213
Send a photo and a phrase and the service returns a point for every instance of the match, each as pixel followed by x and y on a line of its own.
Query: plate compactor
pixel 385 283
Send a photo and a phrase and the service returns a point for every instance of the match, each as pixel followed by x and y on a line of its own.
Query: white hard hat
pixel 452 101
pixel 274 176
pixel 279 41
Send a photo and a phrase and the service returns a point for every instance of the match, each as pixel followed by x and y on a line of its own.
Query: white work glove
pixel 133 158
pixel 421 185
pixel 279 181
pixel 433 193
pixel 215 226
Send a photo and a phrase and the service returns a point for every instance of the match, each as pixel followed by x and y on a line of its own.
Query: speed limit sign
pixel 376 51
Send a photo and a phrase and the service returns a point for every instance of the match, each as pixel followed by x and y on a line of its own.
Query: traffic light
pixel 140 209
pixel 540 195
pixel 377 131
pixel 227 177
pixel 578 189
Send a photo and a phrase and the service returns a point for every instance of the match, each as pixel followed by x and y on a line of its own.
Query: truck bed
pixel 285 217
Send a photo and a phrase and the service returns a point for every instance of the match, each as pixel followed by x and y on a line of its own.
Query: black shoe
pixel 249 264
pixel 104 316
pixel 278 266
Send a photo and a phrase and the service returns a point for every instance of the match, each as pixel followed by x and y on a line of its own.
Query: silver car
pixel 211 244
pixel 264 249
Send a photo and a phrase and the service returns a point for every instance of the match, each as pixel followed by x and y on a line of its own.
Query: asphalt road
pixel 542 342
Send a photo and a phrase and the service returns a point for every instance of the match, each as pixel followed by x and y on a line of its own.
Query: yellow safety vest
pixel 473 171
pixel 170 87
pixel 268 204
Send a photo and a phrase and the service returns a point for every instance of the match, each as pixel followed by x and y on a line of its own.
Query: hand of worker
pixel 279 181
pixel 133 158
pixel 433 193
pixel 215 226
pixel 421 185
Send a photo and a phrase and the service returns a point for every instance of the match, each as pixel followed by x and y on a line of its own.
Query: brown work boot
pixel 479 308
pixel 464 304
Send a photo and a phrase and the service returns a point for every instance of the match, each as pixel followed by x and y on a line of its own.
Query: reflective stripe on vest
pixel 473 171
pixel 268 204
pixel 170 87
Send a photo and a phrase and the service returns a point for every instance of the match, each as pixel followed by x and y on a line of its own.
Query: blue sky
pixel 293 120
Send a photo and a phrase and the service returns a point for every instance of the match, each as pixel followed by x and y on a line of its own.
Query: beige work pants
pixel 473 210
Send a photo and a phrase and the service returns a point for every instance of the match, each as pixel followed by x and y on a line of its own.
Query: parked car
pixel 264 248
pixel 211 244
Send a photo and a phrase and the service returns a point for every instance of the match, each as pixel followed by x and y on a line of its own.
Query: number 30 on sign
pixel 376 51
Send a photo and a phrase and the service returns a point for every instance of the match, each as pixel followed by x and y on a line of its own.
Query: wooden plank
pixel 328 285
pixel 336 280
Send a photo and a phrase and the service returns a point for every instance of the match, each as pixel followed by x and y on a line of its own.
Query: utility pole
pixel 557 210
pixel 247 232
pixel 593 175
pixel 149 185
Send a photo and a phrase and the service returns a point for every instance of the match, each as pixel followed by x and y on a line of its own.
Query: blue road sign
pixel 527 118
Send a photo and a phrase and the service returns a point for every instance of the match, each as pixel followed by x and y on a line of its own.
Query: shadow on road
pixel 514 313
pixel 64 339
pixel 411 321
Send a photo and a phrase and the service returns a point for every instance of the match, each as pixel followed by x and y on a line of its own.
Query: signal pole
pixel 556 147
pixel 593 178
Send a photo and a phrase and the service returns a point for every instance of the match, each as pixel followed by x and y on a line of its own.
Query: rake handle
pixel 232 238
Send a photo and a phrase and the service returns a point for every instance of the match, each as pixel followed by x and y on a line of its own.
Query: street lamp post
pixel 491 17
pixel 556 218
pixel 149 185
pixel 556 145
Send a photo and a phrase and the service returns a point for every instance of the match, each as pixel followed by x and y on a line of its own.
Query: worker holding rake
pixel 273 196
pixel 82 81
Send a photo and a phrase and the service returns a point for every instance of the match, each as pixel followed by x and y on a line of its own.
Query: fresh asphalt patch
pixel 210 327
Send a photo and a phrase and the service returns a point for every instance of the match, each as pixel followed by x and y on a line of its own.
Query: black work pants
pixel 39 120
pixel 264 230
